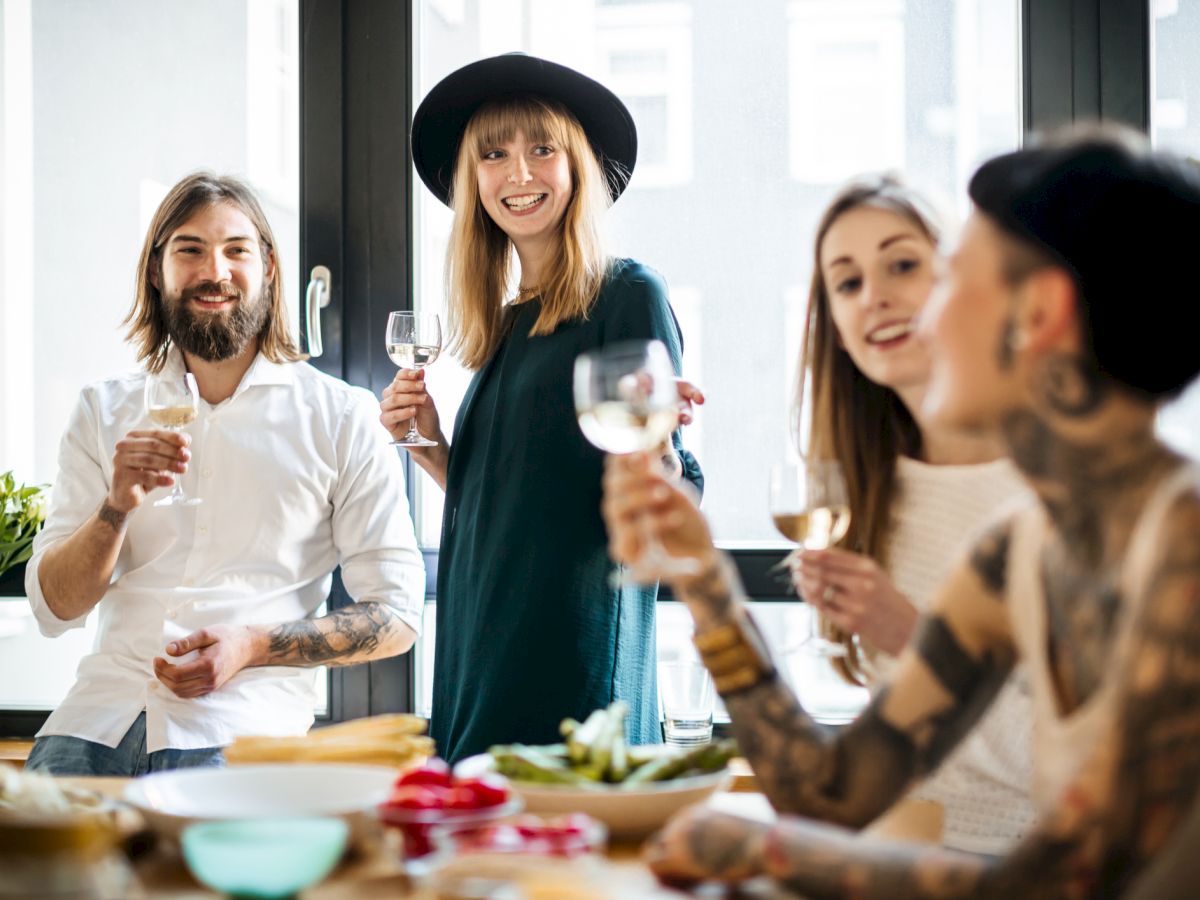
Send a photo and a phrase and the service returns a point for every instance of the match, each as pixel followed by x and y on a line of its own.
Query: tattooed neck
pixel 1089 451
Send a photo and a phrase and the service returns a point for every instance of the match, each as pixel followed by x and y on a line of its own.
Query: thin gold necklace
pixel 525 293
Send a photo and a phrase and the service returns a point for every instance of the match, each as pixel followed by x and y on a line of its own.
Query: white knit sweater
pixel 984 785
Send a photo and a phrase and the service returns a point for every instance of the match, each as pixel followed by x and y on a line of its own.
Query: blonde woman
pixel 917 493
pixel 530 155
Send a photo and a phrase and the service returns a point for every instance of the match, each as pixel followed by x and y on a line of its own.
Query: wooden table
pixel 162 874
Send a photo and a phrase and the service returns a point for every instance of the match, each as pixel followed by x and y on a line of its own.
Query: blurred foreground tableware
pixel 264 858
pixel 393 739
pixel 170 801
pixel 61 854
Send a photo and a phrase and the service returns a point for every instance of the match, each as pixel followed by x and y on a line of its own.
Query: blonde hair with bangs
pixel 860 424
pixel 479 262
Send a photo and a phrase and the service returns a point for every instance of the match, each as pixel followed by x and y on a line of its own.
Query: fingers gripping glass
pixel 414 340
pixel 627 401
pixel 810 505
pixel 172 402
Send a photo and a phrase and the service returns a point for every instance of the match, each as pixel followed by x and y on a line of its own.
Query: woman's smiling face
pixel 878 269
pixel 525 186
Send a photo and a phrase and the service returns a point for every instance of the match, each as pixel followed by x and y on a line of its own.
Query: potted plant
pixel 22 512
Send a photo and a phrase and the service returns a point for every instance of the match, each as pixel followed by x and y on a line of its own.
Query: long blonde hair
pixel 479 261
pixel 147 320
pixel 863 425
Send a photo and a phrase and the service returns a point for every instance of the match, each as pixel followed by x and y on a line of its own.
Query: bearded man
pixel 207 612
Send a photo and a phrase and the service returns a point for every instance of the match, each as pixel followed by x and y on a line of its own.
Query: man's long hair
pixel 479 261
pixel 147 319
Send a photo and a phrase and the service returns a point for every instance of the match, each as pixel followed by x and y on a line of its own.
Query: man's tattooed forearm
pixel 114 519
pixel 350 635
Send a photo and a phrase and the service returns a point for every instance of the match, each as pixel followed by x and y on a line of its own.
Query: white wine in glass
pixel 810 506
pixel 172 401
pixel 626 401
pixel 414 340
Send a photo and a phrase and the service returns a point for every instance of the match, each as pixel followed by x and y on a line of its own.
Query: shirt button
pixel 206 472
pixel 171 614
pixel 203 529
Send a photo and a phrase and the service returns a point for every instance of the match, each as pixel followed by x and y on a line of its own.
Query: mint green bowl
pixel 263 858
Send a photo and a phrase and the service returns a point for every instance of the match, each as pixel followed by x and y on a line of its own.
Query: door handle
pixel 316 298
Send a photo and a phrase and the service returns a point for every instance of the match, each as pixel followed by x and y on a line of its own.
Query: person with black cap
pixel 530 629
pixel 1060 327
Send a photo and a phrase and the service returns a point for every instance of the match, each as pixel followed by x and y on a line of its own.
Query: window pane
pixel 746 124
pixel 1175 124
pixel 105 106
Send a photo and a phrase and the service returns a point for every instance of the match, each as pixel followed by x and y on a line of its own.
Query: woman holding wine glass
pixel 913 494
pixel 529 155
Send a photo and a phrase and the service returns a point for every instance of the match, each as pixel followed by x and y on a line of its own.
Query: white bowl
pixel 170 801
pixel 629 812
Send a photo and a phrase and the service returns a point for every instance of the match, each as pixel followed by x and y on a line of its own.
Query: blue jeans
pixel 57 754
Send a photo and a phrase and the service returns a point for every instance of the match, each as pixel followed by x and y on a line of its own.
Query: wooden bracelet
pixel 732 658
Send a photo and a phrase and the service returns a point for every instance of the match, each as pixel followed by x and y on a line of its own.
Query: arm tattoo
pixel 350 635
pixel 801 765
pixel 989 559
pixel 972 683
pixel 1125 804
pixel 111 517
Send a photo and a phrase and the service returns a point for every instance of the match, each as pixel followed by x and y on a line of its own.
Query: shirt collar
pixel 261 372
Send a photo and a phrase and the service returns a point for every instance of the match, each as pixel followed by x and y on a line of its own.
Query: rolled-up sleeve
pixel 77 492
pixel 372 528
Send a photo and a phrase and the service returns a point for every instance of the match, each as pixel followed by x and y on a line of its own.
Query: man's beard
pixel 215 336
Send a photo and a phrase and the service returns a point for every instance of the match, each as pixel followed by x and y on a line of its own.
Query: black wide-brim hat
pixel 442 117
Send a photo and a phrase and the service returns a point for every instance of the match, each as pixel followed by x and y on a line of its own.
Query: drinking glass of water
pixel 686 689
pixel 414 340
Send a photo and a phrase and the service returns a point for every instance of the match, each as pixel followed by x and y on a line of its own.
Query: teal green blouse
pixel 529 628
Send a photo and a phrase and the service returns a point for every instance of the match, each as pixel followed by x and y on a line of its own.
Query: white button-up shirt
pixel 295 476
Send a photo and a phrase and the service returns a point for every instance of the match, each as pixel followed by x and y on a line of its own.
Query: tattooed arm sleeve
pixel 356 633
pixel 1130 800
pixel 943 684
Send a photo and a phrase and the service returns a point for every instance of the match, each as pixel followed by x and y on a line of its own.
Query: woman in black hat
pixel 1060 329
pixel 529 155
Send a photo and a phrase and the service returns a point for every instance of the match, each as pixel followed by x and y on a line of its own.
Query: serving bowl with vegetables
pixel 631 789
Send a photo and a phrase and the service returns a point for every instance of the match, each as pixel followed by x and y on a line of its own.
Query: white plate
pixel 171 801
pixel 628 812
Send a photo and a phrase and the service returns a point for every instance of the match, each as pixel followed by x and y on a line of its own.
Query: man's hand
pixel 223 651
pixel 143 461
pixel 704 844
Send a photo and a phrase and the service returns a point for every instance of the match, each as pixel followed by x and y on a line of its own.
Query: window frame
pixel 1080 60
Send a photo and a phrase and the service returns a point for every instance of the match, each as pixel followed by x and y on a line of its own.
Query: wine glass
pixel 809 505
pixel 626 401
pixel 172 401
pixel 414 340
